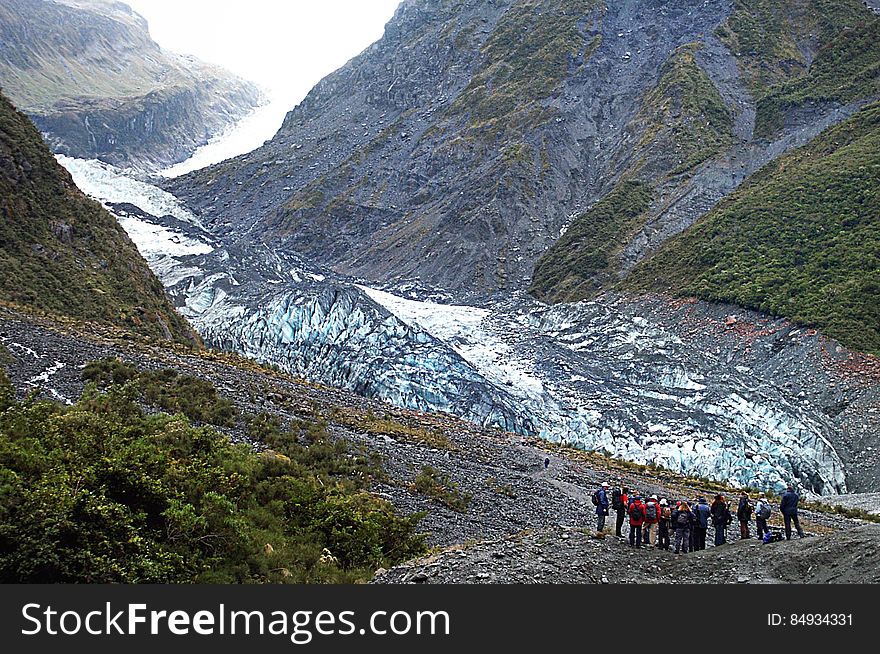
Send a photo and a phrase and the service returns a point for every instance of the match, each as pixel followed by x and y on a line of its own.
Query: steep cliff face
pixel 61 252
pixel 98 86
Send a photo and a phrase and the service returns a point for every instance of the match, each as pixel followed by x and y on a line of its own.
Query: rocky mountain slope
pixel 96 84
pixel 62 252
pixel 457 149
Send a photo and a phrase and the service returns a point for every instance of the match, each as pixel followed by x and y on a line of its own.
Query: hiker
pixel 652 517
pixel 788 507
pixel 636 520
pixel 701 523
pixel 744 515
pixel 720 519
pixel 600 499
pixel 620 503
pixel 762 514
pixel 665 525
pixel 682 521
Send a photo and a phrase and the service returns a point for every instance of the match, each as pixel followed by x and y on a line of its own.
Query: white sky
pixel 284 45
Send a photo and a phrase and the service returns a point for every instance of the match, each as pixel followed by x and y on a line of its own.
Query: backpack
pixel 764 511
pixel 596 498
pixel 651 512
pixel 683 520
pixel 636 513
pixel 772 537
pixel 616 499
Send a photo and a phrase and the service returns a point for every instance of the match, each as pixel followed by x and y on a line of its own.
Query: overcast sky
pixel 285 45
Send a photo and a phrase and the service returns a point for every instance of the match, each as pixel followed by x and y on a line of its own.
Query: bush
pixel 438 486
pixel 101 492
pixel 166 390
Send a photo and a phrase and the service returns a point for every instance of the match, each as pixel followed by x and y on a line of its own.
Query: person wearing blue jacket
pixel 702 513
pixel 602 507
pixel 788 507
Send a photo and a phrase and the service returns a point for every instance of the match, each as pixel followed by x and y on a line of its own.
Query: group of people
pixel 687 522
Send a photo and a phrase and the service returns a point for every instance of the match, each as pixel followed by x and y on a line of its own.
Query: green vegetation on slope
pixel 683 122
pixel 166 390
pixel 526 59
pixel 580 261
pixel 800 239
pixel 770 37
pixel 683 119
pixel 63 253
pixel 439 487
pixel 846 69
pixel 775 41
pixel 101 492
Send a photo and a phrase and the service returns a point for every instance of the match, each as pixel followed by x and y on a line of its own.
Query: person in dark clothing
pixel 621 508
pixel 788 507
pixel 744 515
pixel 720 519
pixel 702 512
pixel 682 521
pixel 762 514
pixel 602 507
pixel 636 520
pixel 664 527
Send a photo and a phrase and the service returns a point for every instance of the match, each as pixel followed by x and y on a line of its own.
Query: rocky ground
pixel 869 502
pixel 523 521
pixel 566 555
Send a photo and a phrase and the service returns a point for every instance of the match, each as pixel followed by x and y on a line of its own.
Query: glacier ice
pixel 589 374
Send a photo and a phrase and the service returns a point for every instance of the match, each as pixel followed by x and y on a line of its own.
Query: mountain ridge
pixel 96 84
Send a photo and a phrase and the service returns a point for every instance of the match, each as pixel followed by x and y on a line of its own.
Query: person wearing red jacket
pixel 636 521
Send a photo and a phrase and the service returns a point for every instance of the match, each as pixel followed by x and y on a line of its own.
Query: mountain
pixel 813 236
pixel 62 252
pixel 96 84
pixel 800 238
pixel 454 152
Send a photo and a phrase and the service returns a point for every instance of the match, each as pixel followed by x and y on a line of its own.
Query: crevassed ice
pixel 110 184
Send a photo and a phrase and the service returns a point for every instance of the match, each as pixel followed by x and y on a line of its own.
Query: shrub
pixel 438 486
pixel 101 492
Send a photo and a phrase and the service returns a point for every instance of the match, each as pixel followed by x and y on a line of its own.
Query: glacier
pixel 596 375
